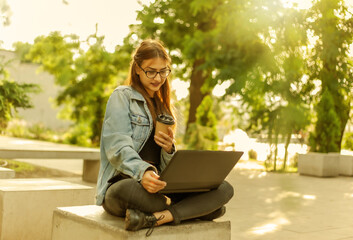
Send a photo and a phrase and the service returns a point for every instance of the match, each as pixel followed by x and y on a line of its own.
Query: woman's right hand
pixel 150 181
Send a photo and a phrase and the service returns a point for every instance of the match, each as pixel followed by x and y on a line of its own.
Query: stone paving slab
pixel 290 206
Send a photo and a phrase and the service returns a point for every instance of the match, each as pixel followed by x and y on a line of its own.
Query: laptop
pixel 198 170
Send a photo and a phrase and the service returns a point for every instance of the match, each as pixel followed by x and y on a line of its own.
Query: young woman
pixel 132 156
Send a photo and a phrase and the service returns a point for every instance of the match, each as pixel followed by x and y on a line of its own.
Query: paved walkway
pixel 269 205
pixel 290 206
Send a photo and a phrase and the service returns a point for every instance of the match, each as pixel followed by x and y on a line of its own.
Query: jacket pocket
pixel 140 127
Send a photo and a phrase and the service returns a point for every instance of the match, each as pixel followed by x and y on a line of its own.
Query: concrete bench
pixel 27 205
pixel 6 173
pixel 325 164
pixel 90 156
pixel 346 165
pixel 92 223
pixel 318 164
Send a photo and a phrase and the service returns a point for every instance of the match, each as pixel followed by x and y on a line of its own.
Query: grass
pixel 27 170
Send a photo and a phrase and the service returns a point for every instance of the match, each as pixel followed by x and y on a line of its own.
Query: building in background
pixel 44 111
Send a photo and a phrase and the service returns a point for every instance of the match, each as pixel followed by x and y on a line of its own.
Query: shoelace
pixel 153 224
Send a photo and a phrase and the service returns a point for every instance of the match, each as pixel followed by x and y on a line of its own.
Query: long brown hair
pixel 149 49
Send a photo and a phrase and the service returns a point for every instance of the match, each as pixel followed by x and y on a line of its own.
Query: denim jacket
pixel 126 128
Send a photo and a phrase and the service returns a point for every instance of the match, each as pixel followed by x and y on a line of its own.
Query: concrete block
pixel 93 223
pixel 6 173
pixel 27 205
pixel 319 164
pixel 346 165
pixel 90 171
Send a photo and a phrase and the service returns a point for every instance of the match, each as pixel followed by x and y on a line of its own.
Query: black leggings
pixel 128 193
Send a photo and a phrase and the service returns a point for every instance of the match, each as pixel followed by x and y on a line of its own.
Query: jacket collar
pixel 136 95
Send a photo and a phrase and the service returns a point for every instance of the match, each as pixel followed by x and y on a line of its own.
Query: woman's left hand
pixel 166 141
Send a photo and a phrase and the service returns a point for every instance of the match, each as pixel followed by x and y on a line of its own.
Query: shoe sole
pixel 128 221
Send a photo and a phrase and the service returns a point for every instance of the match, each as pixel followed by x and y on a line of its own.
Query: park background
pixel 270 78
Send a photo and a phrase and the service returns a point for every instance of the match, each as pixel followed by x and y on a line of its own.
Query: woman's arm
pixel 117 137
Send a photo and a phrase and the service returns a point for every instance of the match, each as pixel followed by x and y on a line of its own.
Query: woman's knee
pixel 122 188
pixel 227 190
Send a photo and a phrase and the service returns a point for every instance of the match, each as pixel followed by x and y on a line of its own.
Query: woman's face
pixel 152 65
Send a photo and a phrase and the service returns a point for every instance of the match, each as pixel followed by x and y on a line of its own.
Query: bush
pixel 17 128
pixel 327 130
pixel 347 142
pixel 79 135
pixel 202 134
pixel 294 161
pixel 252 154
pixel 21 129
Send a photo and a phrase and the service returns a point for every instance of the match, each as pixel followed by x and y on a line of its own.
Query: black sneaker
pixel 215 214
pixel 136 220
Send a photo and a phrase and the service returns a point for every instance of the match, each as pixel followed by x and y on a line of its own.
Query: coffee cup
pixel 163 122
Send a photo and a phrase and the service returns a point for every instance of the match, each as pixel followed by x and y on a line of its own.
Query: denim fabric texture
pixel 126 128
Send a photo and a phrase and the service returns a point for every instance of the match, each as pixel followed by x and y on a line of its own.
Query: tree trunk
pixel 195 94
pixel 97 123
pixel 276 153
pixel 286 151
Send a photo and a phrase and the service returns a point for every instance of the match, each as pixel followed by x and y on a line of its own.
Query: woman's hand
pixel 165 140
pixel 150 181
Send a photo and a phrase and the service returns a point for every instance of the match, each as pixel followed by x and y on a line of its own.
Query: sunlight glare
pixel 309 197
pixel 181 88
pixel 265 229
pixel 298 4
pixel 220 89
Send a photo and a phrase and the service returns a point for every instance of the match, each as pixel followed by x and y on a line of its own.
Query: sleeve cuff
pixel 146 169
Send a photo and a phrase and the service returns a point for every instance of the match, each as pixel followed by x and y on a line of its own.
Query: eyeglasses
pixel 152 73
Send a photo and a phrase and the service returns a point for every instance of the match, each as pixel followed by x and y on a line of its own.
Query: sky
pixel 32 18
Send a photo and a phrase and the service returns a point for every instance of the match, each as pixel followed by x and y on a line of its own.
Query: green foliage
pixel 79 135
pixel 12 96
pixel 21 50
pixel 252 154
pixel 87 77
pixel 17 128
pixel 327 128
pixel 21 129
pixel 273 92
pixel 332 23
pixel 17 166
pixel 348 141
pixel 202 134
pixel 210 41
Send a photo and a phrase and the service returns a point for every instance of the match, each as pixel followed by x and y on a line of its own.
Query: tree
pixel 202 134
pixel 327 128
pixel 332 24
pixel 209 40
pixel 12 95
pixel 276 93
pixel 87 77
